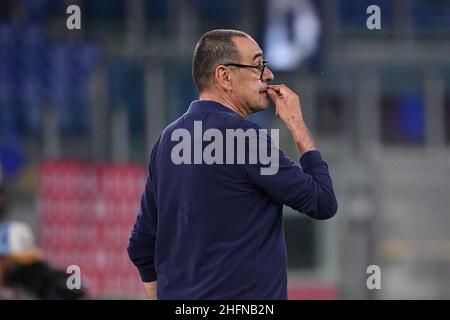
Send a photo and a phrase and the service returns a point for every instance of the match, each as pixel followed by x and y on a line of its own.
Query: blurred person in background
pixel 24 273
pixel 215 231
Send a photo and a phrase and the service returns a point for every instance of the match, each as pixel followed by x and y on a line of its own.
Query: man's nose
pixel 268 75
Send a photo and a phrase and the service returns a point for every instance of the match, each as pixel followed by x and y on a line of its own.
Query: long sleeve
pixel 308 190
pixel 141 248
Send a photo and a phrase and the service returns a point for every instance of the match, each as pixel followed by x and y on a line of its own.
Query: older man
pixel 210 224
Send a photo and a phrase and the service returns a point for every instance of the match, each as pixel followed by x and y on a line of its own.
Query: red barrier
pixel 86 216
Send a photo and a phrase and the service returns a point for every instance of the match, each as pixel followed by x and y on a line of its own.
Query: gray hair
pixel 215 47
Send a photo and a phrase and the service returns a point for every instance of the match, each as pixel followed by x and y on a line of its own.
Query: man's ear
pixel 222 76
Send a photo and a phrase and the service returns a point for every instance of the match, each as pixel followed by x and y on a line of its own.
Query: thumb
pixel 273 95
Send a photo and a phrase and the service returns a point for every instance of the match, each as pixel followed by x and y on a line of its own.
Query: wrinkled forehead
pixel 248 48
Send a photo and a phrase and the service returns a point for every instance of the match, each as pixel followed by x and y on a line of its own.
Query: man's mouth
pixel 263 92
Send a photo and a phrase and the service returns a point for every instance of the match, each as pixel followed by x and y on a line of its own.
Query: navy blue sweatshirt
pixel 214 231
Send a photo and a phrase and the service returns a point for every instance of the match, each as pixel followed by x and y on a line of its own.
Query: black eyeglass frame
pixel 264 64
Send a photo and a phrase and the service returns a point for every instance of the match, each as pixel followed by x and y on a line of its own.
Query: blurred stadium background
pixel 80 110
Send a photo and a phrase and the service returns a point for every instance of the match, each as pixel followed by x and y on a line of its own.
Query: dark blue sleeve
pixel 307 189
pixel 141 248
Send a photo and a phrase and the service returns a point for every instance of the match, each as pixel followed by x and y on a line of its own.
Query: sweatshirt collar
pixel 209 106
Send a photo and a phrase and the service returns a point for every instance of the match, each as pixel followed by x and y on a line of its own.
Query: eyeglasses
pixel 261 67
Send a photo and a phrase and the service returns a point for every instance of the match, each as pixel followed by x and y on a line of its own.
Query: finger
pixel 273 95
pixel 281 89
pixel 278 87
pixel 275 86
